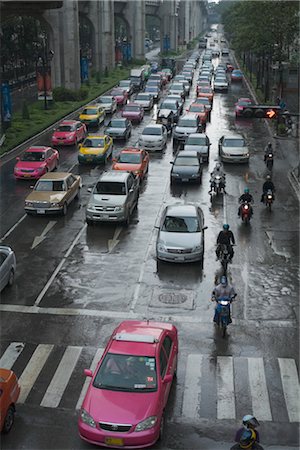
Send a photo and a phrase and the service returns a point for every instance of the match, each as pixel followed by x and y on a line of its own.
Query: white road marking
pixel 38 239
pixel 192 387
pixel 56 271
pixel 13 227
pixel 61 377
pixel 114 241
pixel 11 354
pixel 225 388
pixel 258 388
pixel 290 385
pixel 87 381
pixel 33 369
pixel 224 209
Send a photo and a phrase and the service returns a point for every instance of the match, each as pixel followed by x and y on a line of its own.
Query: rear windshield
pixel 105 100
pixel 110 187
pixel 132 108
pixel 143 97
pixel 181 224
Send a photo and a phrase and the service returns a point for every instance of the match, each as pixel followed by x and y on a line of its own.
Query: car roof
pixel 155 125
pixel 197 135
pixel 189 116
pixel 187 153
pixel 69 122
pixel 37 148
pixel 114 175
pixel 56 176
pixel 233 136
pixel 178 209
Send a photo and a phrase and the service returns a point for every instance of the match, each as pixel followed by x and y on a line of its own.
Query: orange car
pixel 9 394
pixel 206 92
pixel 200 110
pixel 134 160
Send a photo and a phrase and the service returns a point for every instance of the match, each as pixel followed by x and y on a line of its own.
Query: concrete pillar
pixel 135 15
pixel 94 15
pixel 169 24
pixel 108 34
pixel 64 40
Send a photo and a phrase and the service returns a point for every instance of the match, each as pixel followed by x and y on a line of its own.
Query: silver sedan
pixel 7 266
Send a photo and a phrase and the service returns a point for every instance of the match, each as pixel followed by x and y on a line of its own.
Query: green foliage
pixel 106 73
pixel 61 94
pixel 98 77
pixel 281 129
pixel 25 111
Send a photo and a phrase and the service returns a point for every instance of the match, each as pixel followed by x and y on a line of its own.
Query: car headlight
pixel 195 175
pixel 161 247
pixel 86 418
pixel 91 207
pixel 197 248
pixel 29 204
pixel 247 155
pixel 146 424
pixel 174 174
pixel 53 205
pixel 119 208
pixel 137 172
pixel 40 169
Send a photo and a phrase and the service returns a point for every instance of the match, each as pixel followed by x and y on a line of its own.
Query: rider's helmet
pixel 224 280
pixel 246 190
pixel 269 144
pixel 247 439
pixel 218 166
pixel 268 177
pixel 250 421
pixel 226 226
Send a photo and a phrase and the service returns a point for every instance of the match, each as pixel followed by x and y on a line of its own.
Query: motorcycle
pixel 269 198
pixel 269 157
pixel 246 212
pixel 247 436
pixel 222 313
pixel 166 118
pixel 224 257
pixel 217 185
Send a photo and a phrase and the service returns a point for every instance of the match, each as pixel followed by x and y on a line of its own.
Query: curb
pixel 294 182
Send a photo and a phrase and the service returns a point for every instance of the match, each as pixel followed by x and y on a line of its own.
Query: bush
pixel 281 129
pixel 25 111
pixel 62 94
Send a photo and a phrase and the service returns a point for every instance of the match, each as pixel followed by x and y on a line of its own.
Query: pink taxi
pixel 35 162
pixel 126 398
pixel 69 132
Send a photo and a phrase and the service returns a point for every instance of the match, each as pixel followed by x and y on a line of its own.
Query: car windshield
pixel 233 143
pixel 204 101
pixel 151 89
pixel 127 373
pixel 205 90
pixel 93 142
pixel 196 141
pixel 110 188
pixel 176 88
pixel 143 97
pixel 33 156
pixel 152 131
pixel 132 108
pixel 65 128
pixel 89 112
pixel 50 186
pixel 117 124
pixel 105 100
pixel 131 158
pixel 181 224
pixel 187 122
pixel 124 83
pixel 116 93
pixel 166 105
pixel 197 108
pixel 186 161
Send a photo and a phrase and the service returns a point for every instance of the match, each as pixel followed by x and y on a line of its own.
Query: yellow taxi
pixel 92 115
pixel 95 149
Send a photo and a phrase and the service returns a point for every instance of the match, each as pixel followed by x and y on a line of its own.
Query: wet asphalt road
pixel 80 282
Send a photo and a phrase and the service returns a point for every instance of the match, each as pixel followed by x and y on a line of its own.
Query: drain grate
pixel 172 298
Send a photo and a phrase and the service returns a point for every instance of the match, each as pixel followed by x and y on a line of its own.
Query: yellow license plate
pixel 26 175
pixel 114 441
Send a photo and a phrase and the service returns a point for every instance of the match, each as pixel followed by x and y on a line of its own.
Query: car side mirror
pixel 80 145
pixel 88 373
pixel 204 228
pixel 89 190
pixel 168 379
pixel 171 162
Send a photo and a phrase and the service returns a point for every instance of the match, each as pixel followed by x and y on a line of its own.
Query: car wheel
pixel 11 277
pixel 127 220
pixel 89 222
pixel 161 427
pixel 55 166
pixel 65 208
pixel 9 419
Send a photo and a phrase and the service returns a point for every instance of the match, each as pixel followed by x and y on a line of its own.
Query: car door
pixel 71 188
pixel 165 134
pixel 50 159
pixel 109 146
pixel 130 193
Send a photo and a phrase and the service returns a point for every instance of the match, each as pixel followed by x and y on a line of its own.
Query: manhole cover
pixel 172 298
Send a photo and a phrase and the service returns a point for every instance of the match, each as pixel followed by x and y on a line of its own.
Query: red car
pixel 133 112
pixel 206 92
pixel 121 95
pixel 237 75
pixel 69 132
pixel 35 162
pixel 125 402
pixel 200 110
pixel 134 160
pixel 242 104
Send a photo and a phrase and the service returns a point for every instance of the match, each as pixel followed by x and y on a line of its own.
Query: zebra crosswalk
pixel 213 387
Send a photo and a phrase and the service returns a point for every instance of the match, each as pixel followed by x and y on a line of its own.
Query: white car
pixel 108 103
pixel 233 149
pixel 153 137
pixel 145 100
pixel 199 142
pixel 220 84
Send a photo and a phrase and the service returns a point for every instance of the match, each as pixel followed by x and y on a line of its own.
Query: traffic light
pixel 261 112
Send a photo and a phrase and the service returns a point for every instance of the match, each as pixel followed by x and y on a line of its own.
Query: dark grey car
pixel 7 266
pixel 186 167
pixel 119 128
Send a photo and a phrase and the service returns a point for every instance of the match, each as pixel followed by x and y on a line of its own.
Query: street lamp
pixel 43 62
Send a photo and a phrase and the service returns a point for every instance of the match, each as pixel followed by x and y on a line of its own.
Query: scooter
pixel 246 212
pixel 247 436
pixel 217 185
pixel 222 313
pixel 269 158
pixel 269 198
pixel 224 257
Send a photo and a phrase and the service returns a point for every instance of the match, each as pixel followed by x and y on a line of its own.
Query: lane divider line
pixel 13 228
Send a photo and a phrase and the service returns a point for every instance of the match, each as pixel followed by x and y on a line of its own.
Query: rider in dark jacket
pixel 225 237
pixel 267 186
pixel 246 197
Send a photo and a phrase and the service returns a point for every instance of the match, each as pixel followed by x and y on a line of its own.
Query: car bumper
pixel 43 212
pixel 91 159
pixel 234 159
pixel 185 179
pixel 153 147
pixel 180 138
pixel 104 216
pixel 63 141
pixel 28 176
pixel 179 258
pixel 118 136
pixel 130 440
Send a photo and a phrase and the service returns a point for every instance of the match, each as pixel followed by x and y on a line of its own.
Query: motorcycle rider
pixel 225 237
pixel 217 171
pixel 268 149
pixel 249 424
pixel 267 186
pixel 245 197
pixel 223 289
